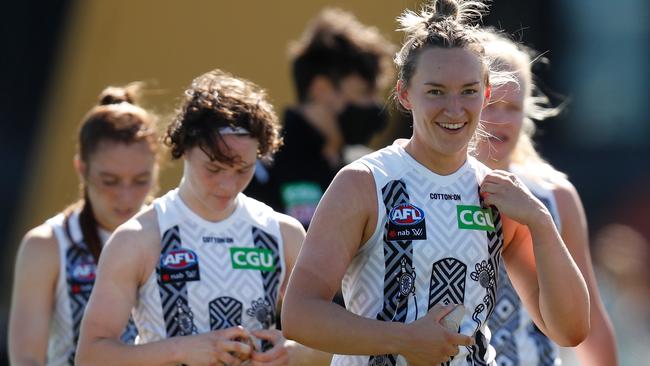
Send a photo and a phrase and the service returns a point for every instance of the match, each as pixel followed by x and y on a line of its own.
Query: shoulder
pixel 40 240
pixel 134 246
pixel 140 233
pixel 39 250
pixel 563 189
pixel 569 205
pixel 289 225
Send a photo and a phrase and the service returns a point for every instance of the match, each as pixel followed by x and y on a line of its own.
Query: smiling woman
pixel 55 268
pixel 405 255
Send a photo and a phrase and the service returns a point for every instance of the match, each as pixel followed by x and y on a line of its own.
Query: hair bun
pixel 445 9
pixel 120 94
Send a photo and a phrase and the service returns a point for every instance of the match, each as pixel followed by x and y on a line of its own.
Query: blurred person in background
pixel 340 66
pixel 622 255
pixel 507 145
pixel 204 267
pixel 410 233
pixel 55 267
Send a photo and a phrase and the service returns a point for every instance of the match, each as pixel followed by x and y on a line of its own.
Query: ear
pixel 321 89
pixel 403 95
pixel 80 167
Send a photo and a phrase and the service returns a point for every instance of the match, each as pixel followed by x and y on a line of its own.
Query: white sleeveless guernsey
pixel 211 275
pixel 74 285
pixel 433 244
pixel 518 342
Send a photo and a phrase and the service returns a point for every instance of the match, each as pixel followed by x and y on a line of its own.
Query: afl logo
pixel 84 272
pixel 178 259
pixel 406 214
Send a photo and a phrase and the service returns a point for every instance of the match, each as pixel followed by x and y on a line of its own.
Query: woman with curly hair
pixel 204 267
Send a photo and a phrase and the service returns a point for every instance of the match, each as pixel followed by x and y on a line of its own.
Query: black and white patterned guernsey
pixel 212 275
pixel 433 243
pixel 74 285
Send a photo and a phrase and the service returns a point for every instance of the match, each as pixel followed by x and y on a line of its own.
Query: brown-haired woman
pixel 55 266
pixel 204 267
pixel 418 227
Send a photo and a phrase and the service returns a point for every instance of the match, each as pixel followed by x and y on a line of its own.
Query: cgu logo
pixel 475 218
pixel 84 272
pixel 178 259
pixel 252 258
pixel 406 214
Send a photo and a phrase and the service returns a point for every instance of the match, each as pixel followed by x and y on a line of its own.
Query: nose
pixel 453 107
pixel 227 183
pixel 127 195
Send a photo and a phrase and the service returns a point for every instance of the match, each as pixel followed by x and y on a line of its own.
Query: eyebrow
pixel 223 166
pixel 111 175
pixel 437 85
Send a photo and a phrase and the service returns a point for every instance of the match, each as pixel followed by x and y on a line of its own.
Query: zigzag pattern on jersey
pixel 505 321
pixel 545 349
pixel 393 193
pixel 270 279
pixel 447 282
pixel 77 253
pixel 176 309
pixel 478 352
pixel 225 312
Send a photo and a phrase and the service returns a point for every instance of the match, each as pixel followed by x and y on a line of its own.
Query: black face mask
pixel 359 123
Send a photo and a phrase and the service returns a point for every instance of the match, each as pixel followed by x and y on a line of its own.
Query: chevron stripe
pixel 76 254
pixel 478 352
pixel 447 282
pixel 225 312
pixel 270 279
pixel 393 193
pixel 178 316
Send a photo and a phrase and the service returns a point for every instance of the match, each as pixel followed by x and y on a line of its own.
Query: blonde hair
pixel 509 56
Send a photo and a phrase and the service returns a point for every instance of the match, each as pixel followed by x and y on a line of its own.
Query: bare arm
pixel 126 262
pixel 34 291
pixel 344 219
pixel 544 274
pixel 599 349
pixel 287 352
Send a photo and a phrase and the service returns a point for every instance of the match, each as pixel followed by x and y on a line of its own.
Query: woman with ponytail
pixel 415 232
pixel 55 267
pixel 508 121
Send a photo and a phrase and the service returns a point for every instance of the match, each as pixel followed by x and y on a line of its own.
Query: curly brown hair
pixel 217 100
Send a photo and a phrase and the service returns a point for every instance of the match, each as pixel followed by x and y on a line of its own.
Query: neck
pixel 435 161
pixel 200 207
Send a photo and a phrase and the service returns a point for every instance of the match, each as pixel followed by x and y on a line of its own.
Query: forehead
pixel 354 84
pixel 121 158
pixel 511 92
pixel 449 66
pixel 241 146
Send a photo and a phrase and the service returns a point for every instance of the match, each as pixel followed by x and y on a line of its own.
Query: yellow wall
pixel 164 43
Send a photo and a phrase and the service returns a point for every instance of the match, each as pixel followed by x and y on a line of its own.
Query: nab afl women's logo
pixel 84 272
pixel 179 259
pixel 406 214
pixel 406 222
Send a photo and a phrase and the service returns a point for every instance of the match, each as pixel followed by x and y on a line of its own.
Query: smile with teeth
pixel 451 126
